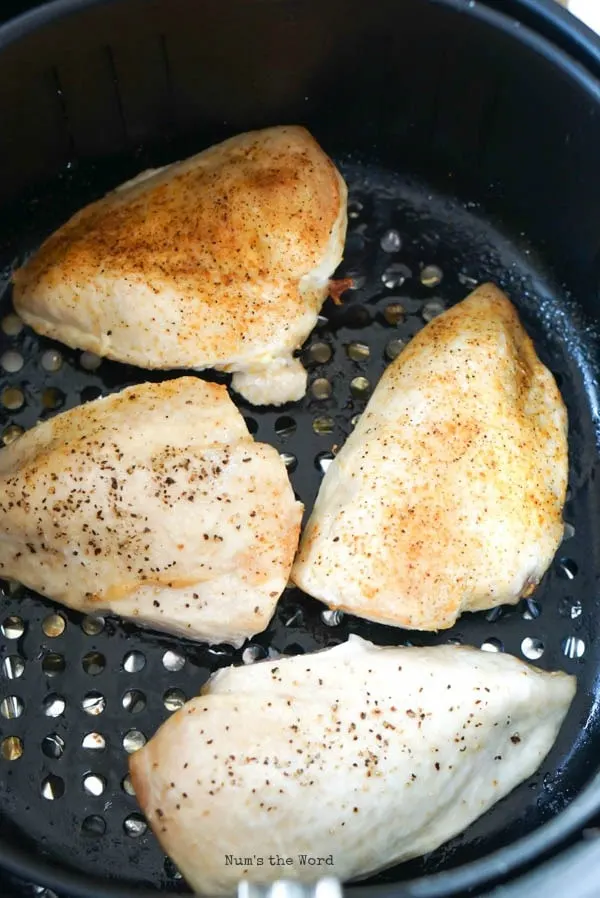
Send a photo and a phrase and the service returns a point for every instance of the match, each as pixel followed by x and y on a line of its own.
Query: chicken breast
pixel 154 504
pixel 448 495
pixel 221 261
pixel 359 755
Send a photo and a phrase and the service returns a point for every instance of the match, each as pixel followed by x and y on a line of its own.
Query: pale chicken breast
pixel 154 504
pixel 221 261
pixel 448 495
pixel 360 755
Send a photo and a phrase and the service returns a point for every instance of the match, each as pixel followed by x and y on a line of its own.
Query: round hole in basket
pixel 53 746
pixel 11 707
pixel 11 748
pixel 13 627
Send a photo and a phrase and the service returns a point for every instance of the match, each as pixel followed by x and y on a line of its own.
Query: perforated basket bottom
pixel 77 695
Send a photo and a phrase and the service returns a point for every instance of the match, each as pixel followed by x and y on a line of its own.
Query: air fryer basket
pixel 469 147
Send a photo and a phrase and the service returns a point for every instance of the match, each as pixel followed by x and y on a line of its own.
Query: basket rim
pixel 551 31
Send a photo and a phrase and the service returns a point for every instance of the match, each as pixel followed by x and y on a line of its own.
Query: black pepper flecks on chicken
pixel 220 261
pixel 448 495
pixel 155 504
pixel 364 754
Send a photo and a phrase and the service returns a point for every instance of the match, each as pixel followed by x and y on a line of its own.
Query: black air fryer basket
pixel 469 135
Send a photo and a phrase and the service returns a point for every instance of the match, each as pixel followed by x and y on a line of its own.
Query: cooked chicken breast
pixel 154 504
pixel 448 495
pixel 363 755
pixel 221 261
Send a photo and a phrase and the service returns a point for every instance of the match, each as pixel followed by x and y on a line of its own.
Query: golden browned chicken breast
pixel 221 261
pixel 154 504
pixel 360 755
pixel 448 495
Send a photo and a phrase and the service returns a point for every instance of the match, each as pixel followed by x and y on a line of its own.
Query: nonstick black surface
pixel 102 835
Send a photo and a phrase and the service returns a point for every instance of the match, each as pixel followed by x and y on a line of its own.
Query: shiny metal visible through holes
pixel 358 352
pixel 396 275
pixel 319 353
pixel 323 424
pixel 52 360
pixel 532 648
pixel 174 699
pixel 11 433
pixel 93 703
pixel 321 388
pixel 93 663
pixel 91 626
pixel 133 740
pixel 54 705
pixel 394 313
pixel 13 627
pixel 431 276
pixel 94 784
pixel 127 785
pixel 94 742
pixel 252 653
pixel 134 662
pixel 11 748
pixel 173 661
pixel 53 664
pixel 13 667
pixel 11 361
pixel 332 618
pixel 53 746
pixel 54 625
pixel 13 398
pixel 289 460
pixel 53 787
pixel 11 707
pixel 12 325
pixel 135 826
pixel 134 701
